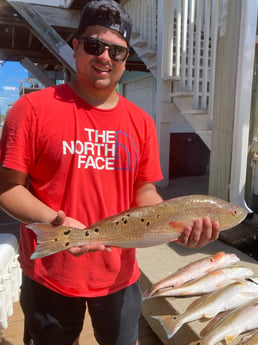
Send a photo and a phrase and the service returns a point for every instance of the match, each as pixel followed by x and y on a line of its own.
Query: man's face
pixel 99 71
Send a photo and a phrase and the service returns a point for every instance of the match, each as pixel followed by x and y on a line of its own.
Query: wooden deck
pixel 13 335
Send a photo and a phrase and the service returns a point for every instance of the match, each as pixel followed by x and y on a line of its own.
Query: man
pixel 74 154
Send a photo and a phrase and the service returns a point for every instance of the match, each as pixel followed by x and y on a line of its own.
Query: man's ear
pixel 75 45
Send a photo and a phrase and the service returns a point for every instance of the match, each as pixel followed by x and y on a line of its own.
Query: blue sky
pixel 10 74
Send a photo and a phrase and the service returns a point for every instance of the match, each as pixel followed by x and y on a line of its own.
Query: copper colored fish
pixel 139 227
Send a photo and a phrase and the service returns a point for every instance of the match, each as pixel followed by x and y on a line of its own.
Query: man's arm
pixel 18 202
pixel 200 234
pixel 145 193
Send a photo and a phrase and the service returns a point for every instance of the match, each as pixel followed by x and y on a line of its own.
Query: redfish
pixel 194 270
pixel 139 227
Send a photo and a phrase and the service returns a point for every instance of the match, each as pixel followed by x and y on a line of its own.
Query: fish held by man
pixel 238 321
pixel 139 227
pixel 208 306
pixel 194 270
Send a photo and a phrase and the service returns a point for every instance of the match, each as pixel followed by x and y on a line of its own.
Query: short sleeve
pixel 17 146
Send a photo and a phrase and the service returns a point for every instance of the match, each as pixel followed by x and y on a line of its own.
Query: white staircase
pixel 189 32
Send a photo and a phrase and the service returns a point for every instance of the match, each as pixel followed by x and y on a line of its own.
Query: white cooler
pixel 10 277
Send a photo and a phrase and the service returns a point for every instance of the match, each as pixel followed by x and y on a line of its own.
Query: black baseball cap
pixel 108 13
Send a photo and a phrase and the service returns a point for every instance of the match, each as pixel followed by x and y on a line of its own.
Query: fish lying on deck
pixel 139 227
pixel 212 281
pixel 224 299
pixel 239 320
pixel 194 270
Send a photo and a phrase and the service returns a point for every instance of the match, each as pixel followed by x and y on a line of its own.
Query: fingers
pixel 60 218
pixel 200 234
pixel 78 251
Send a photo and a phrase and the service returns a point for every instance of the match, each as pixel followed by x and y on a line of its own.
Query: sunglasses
pixel 95 46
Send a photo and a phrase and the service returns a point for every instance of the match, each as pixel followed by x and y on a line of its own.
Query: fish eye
pixel 234 212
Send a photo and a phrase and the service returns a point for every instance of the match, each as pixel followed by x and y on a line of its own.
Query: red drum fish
pixel 194 270
pixel 139 227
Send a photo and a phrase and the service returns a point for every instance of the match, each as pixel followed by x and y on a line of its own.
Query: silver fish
pixel 208 306
pixel 239 320
pixel 212 281
pixel 194 270
pixel 139 227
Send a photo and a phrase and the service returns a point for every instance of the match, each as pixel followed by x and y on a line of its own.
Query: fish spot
pixel 67 244
pixel 174 318
pixel 117 223
pixel 142 220
pixel 158 216
pixel 128 215
pixel 66 233
pixel 56 239
pixel 148 223
pixel 96 230
pixel 87 233
pixel 125 221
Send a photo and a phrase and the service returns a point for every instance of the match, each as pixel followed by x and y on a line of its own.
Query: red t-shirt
pixel 85 161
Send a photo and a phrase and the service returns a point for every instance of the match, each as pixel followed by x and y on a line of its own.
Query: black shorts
pixel 51 318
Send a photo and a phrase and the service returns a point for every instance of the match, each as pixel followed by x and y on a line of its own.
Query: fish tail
pixel 49 239
pixel 170 323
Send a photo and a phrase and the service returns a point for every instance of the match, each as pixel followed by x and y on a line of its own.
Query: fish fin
pixel 178 226
pixel 170 323
pixel 229 338
pixel 210 314
pixel 49 238
pixel 218 256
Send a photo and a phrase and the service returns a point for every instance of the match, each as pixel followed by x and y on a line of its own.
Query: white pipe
pixel 246 54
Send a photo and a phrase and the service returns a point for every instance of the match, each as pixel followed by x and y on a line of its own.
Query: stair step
pixel 181 94
pixel 148 54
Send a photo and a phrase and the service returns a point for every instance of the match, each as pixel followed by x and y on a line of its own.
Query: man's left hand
pixel 200 234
